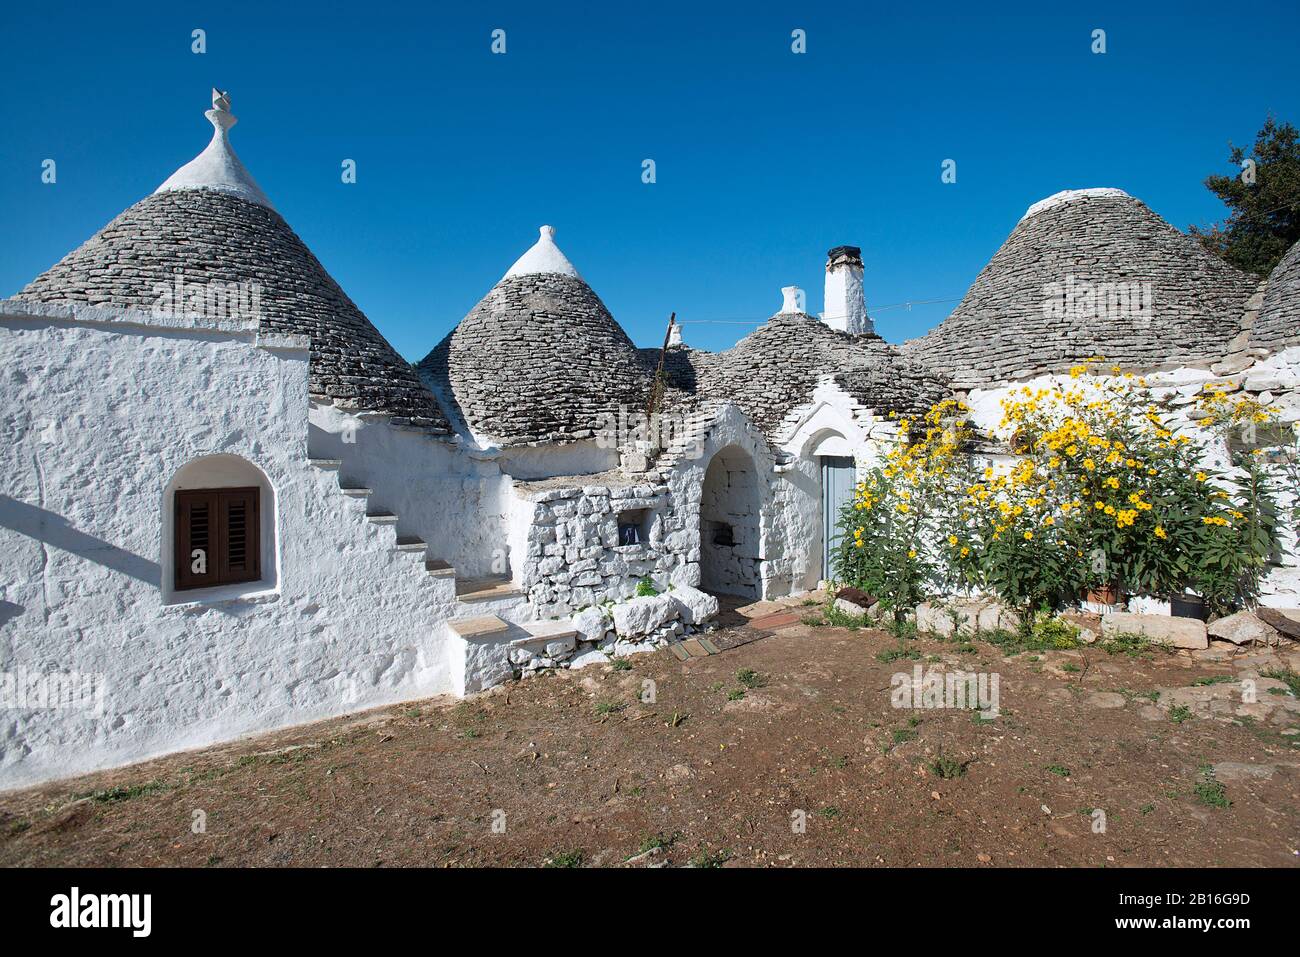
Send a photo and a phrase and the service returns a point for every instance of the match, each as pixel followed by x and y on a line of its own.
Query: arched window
pixel 218 529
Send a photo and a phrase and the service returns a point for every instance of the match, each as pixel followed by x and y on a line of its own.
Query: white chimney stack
pixel 792 299
pixel 844 303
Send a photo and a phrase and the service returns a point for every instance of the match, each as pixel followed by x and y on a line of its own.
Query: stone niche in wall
pixel 589 544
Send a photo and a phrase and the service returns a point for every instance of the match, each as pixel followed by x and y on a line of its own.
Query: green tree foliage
pixel 1264 218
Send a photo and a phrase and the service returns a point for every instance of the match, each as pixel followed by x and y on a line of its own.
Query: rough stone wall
pixel 1002 330
pixel 573 558
pixel 1278 323
pixel 205 236
pixel 539 359
pixel 99 415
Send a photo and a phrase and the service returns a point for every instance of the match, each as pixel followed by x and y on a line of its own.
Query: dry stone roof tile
pixel 1002 329
pixel 539 359
pixel 1278 324
pixel 212 236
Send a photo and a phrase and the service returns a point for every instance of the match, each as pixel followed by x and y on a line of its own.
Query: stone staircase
pixel 490 616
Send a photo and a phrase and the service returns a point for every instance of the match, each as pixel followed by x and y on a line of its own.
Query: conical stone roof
pixel 1278 323
pixel 539 359
pixel 1088 273
pixel 776 368
pixel 210 227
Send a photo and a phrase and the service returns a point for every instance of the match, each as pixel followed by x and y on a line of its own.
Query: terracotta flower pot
pixel 1104 595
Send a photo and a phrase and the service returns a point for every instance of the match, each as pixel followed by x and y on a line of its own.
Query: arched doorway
pixel 730 526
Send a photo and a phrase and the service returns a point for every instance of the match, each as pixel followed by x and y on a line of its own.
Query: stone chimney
pixel 792 299
pixel 844 304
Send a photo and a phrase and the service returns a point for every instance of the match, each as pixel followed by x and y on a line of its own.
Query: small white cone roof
pixel 217 167
pixel 543 257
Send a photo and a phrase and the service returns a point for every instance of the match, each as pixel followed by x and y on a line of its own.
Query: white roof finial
pixel 217 167
pixel 543 257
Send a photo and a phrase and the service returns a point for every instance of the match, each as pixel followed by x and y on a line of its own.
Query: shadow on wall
pixel 53 529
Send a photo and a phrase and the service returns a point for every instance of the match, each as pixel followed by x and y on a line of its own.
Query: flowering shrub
pixel 1101 491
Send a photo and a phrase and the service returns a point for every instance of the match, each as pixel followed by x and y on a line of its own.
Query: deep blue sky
pixel 765 158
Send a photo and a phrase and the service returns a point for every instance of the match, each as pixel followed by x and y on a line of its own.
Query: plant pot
pixel 1188 606
pixel 1104 595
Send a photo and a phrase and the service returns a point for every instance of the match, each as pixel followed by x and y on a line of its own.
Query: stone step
pixel 409 543
pixel 539 631
pixel 334 464
pixel 381 518
pixel 481 627
pixel 357 492
pixel 485 589
pixel 439 568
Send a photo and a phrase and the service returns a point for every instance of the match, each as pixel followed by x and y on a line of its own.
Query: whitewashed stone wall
pixel 101 410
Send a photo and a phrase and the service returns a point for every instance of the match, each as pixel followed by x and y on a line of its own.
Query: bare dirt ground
pixel 582 772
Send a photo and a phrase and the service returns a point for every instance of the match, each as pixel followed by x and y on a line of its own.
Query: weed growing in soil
pixel 947 768
pixel 735 694
pixel 565 859
pixel 706 859
pixel 1289 676
pixel 893 654
pixel 1216 680
pixel 1179 713
pixel 750 678
pixel 622 664
pixel 659 842
pixel 609 707
pixel 1060 770
pixel 1209 791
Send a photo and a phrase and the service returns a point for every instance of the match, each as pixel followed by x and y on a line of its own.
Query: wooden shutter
pixel 240 535
pixel 197 541
pixel 218 537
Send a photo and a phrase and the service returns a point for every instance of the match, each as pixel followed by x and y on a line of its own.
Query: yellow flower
pixel 1029 536
pixel 952 539
pixel 965 551
pixel 1200 476
pixel 1160 532
pixel 911 553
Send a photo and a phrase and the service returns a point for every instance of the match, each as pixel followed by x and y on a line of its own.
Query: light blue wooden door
pixel 837 491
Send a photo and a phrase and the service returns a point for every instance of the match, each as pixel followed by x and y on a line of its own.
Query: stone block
pixel 1159 629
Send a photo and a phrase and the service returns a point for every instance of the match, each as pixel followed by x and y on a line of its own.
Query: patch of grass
pixel 808 602
pixel 750 678
pixel 814 621
pixel 1060 770
pixel 714 859
pixel 829 812
pixel 903 735
pixel 1127 644
pixel 609 707
pixel 622 664
pixel 1288 676
pixel 564 859
pixel 1070 667
pixel 125 792
pixel 894 654
pixel 947 768
pixel 1146 809
pixel 842 619
pixel 1216 680
pixel 645 588
pixel 735 694
pixel 1179 713
pixel 966 649
pixel 840 762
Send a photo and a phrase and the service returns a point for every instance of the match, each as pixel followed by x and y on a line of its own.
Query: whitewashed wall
pixel 101 410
